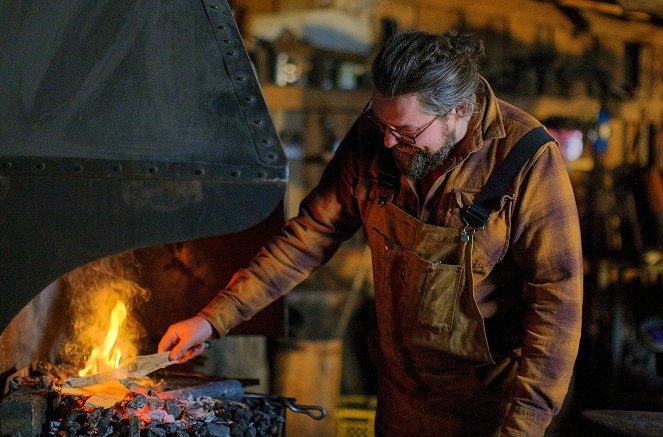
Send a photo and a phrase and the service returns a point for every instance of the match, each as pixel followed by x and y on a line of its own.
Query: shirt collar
pixel 492 125
pixel 486 124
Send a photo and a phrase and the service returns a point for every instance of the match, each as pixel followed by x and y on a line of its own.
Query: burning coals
pixel 144 413
pixel 146 416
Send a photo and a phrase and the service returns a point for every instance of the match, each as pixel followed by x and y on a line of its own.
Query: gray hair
pixel 441 69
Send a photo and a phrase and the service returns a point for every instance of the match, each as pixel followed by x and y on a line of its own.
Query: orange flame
pixel 103 296
pixel 107 356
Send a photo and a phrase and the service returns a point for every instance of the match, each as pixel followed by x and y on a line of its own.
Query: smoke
pixel 93 292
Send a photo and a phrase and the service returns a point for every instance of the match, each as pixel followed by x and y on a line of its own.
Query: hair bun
pixel 465 44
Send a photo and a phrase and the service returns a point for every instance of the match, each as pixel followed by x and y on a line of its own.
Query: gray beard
pixel 416 164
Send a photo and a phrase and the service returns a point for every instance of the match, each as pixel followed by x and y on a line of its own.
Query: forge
pixel 138 162
pixel 218 408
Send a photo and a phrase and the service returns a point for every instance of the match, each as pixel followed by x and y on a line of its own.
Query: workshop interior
pixel 148 149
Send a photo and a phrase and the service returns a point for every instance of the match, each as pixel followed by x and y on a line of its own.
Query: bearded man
pixel 478 309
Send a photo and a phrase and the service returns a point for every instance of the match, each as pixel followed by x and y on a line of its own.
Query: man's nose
pixel 389 139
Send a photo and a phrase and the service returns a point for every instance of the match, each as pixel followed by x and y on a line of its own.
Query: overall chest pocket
pixel 440 295
pixel 427 292
pixel 492 242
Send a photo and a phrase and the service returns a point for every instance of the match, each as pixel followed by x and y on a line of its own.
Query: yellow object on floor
pixel 355 416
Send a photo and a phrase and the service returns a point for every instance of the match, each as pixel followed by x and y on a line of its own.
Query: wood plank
pixel 295 98
pixel 584 108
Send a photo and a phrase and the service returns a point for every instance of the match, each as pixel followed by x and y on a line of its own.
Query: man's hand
pixel 185 339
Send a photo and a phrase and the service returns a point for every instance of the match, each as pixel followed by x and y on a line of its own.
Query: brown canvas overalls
pixel 431 338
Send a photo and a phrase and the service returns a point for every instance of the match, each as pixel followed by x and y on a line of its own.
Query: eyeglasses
pixel 410 138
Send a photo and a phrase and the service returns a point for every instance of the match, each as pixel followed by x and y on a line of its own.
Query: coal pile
pixel 41 375
pixel 138 414
pixel 146 416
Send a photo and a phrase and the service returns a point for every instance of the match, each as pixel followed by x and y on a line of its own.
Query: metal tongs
pixel 313 411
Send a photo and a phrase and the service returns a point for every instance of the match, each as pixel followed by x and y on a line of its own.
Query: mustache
pixel 406 148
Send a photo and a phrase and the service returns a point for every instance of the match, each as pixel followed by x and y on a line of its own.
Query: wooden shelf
pixel 294 98
pixel 638 110
pixel 587 108
pixel 542 107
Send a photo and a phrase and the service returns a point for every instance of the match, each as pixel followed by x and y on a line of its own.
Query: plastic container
pixel 355 416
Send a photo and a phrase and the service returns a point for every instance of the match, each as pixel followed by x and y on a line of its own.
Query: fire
pixel 107 356
pixel 105 332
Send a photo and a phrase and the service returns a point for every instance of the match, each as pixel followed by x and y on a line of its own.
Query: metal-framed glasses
pixel 408 138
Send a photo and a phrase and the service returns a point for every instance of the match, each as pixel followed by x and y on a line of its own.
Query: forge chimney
pixel 127 124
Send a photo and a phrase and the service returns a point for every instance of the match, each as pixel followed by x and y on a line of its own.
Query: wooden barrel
pixel 310 372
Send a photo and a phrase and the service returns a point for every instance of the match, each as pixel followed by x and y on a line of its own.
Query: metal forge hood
pixel 124 124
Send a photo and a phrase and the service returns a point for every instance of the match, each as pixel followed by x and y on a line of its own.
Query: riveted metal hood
pixel 125 124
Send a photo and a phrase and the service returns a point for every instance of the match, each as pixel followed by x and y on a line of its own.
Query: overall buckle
pixel 475 218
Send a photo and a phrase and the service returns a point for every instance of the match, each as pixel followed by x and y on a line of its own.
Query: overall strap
pixel 476 215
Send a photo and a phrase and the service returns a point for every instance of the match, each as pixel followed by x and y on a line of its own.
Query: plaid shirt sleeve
pixel 547 247
pixel 326 218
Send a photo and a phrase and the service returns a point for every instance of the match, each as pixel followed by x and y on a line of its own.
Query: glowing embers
pixel 148 415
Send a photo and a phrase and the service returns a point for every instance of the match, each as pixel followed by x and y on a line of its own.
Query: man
pixel 478 328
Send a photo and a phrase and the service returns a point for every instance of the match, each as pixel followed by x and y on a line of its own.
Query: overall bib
pixel 431 338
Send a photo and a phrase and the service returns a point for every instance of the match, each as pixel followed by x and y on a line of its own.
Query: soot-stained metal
pixel 125 124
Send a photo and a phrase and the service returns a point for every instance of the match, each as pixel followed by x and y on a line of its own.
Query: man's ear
pixel 461 109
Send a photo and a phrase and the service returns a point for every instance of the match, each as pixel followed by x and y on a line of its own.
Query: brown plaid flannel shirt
pixel 532 240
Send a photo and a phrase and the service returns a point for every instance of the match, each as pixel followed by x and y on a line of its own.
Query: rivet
pixel 267 141
pixel 213 6
pixel 41 166
pixel 249 98
pixel 241 78
pixel 261 174
pixel 231 53
pixel 235 173
pixel 222 27
pixel 200 172
pixel 7 164
pixel 257 121
pixel 271 155
pixel 118 168
pixel 227 41
pixel 79 168
pixel 153 170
